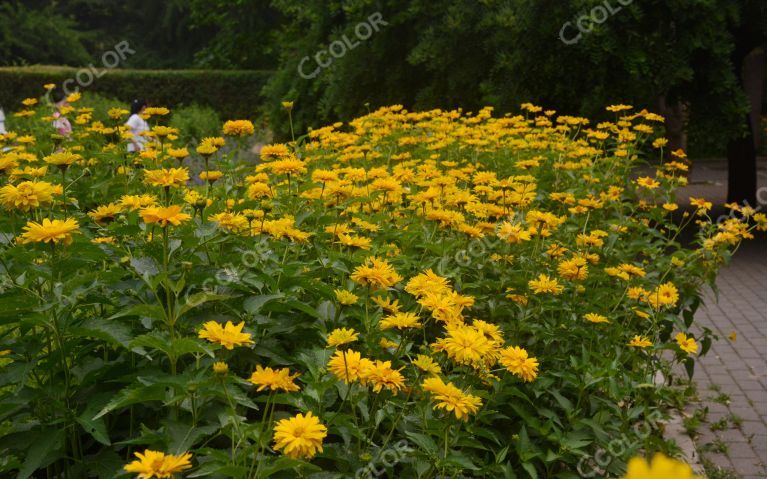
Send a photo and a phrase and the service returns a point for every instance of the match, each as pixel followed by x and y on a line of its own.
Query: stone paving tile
pixel 737 369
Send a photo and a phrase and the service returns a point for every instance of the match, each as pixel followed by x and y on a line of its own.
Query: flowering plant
pixel 496 292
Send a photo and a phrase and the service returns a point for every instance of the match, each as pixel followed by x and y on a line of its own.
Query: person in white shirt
pixel 137 125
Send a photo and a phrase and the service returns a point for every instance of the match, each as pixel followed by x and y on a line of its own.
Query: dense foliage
pixel 420 294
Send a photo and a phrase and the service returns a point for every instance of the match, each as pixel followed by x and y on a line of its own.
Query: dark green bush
pixel 233 94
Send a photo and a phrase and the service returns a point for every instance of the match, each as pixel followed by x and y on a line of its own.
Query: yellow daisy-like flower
pixel 271 152
pixel 157 464
pixel 346 297
pixel 595 318
pixel 167 177
pixel 379 375
pixel 288 166
pixel 665 295
pixel 27 195
pixel 517 362
pixel 661 467
pixel 211 176
pixel 647 182
pixel 220 368
pixel 348 365
pixel 427 364
pixel 105 213
pixel 228 336
pixel 274 379
pixel 466 345
pixel 377 273
pixel 300 436
pixel 164 215
pixel 62 159
pixel 400 321
pixel 640 342
pixel 451 399
pixel 49 231
pixel 687 344
pixel 342 336
pixel 545 284
pixel 239 128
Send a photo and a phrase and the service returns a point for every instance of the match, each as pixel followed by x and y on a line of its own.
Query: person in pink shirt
pixel 60 122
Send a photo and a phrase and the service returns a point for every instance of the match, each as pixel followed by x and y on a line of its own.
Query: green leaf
pixel 113 332
pixel 133 395
pixel 254 304
pixel 43 451
pixel 423 441
pixel 95 427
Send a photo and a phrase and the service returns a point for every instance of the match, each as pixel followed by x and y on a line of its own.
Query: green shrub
pixel 196 122
pixel 233 94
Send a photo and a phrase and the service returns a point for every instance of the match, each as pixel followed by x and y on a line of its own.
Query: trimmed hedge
pixel 233 93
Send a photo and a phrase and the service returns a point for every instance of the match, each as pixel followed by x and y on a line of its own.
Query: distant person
pixel 137 125
pixel 60 122
pixel 2 122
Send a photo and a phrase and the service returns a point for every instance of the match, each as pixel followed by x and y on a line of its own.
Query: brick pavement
pixel 732 377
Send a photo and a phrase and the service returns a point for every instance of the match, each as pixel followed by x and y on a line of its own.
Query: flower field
pixel 411 294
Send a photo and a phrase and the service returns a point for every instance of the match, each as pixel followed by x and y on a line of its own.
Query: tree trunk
pixel 677 116
pixel 741 151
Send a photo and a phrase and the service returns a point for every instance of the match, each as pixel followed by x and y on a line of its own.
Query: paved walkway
pixel 732 377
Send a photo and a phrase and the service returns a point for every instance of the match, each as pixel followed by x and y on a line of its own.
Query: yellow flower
pixel 300 436
pixel 62 159
pixel 341 336
pixel 49 231
pixel 661 467
pixel 167 177
pixel 733 336
pixel 400 321
pixel 348 365
pixel 380 374
pixel 427 364
pixel 517 362
pixel 450 398
pixel 274 379
pixel 220 368
pixel 574 269
pixel 466 345
pixel 595 318
pixel 157 464
pixel 640 342
pixel 544 284
pixel 178 153
pixel 288 166
pixel 665 295
pixel 354 241
pixel 105 213
pixel 227 336
pixel 26 195
pixel 206 149
pixel 238 128
pixel 346 297
pixel 377 273
pixel 687 344
pixel 211 176
pixel 647 182
pixel 164 215
pixel 271 152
